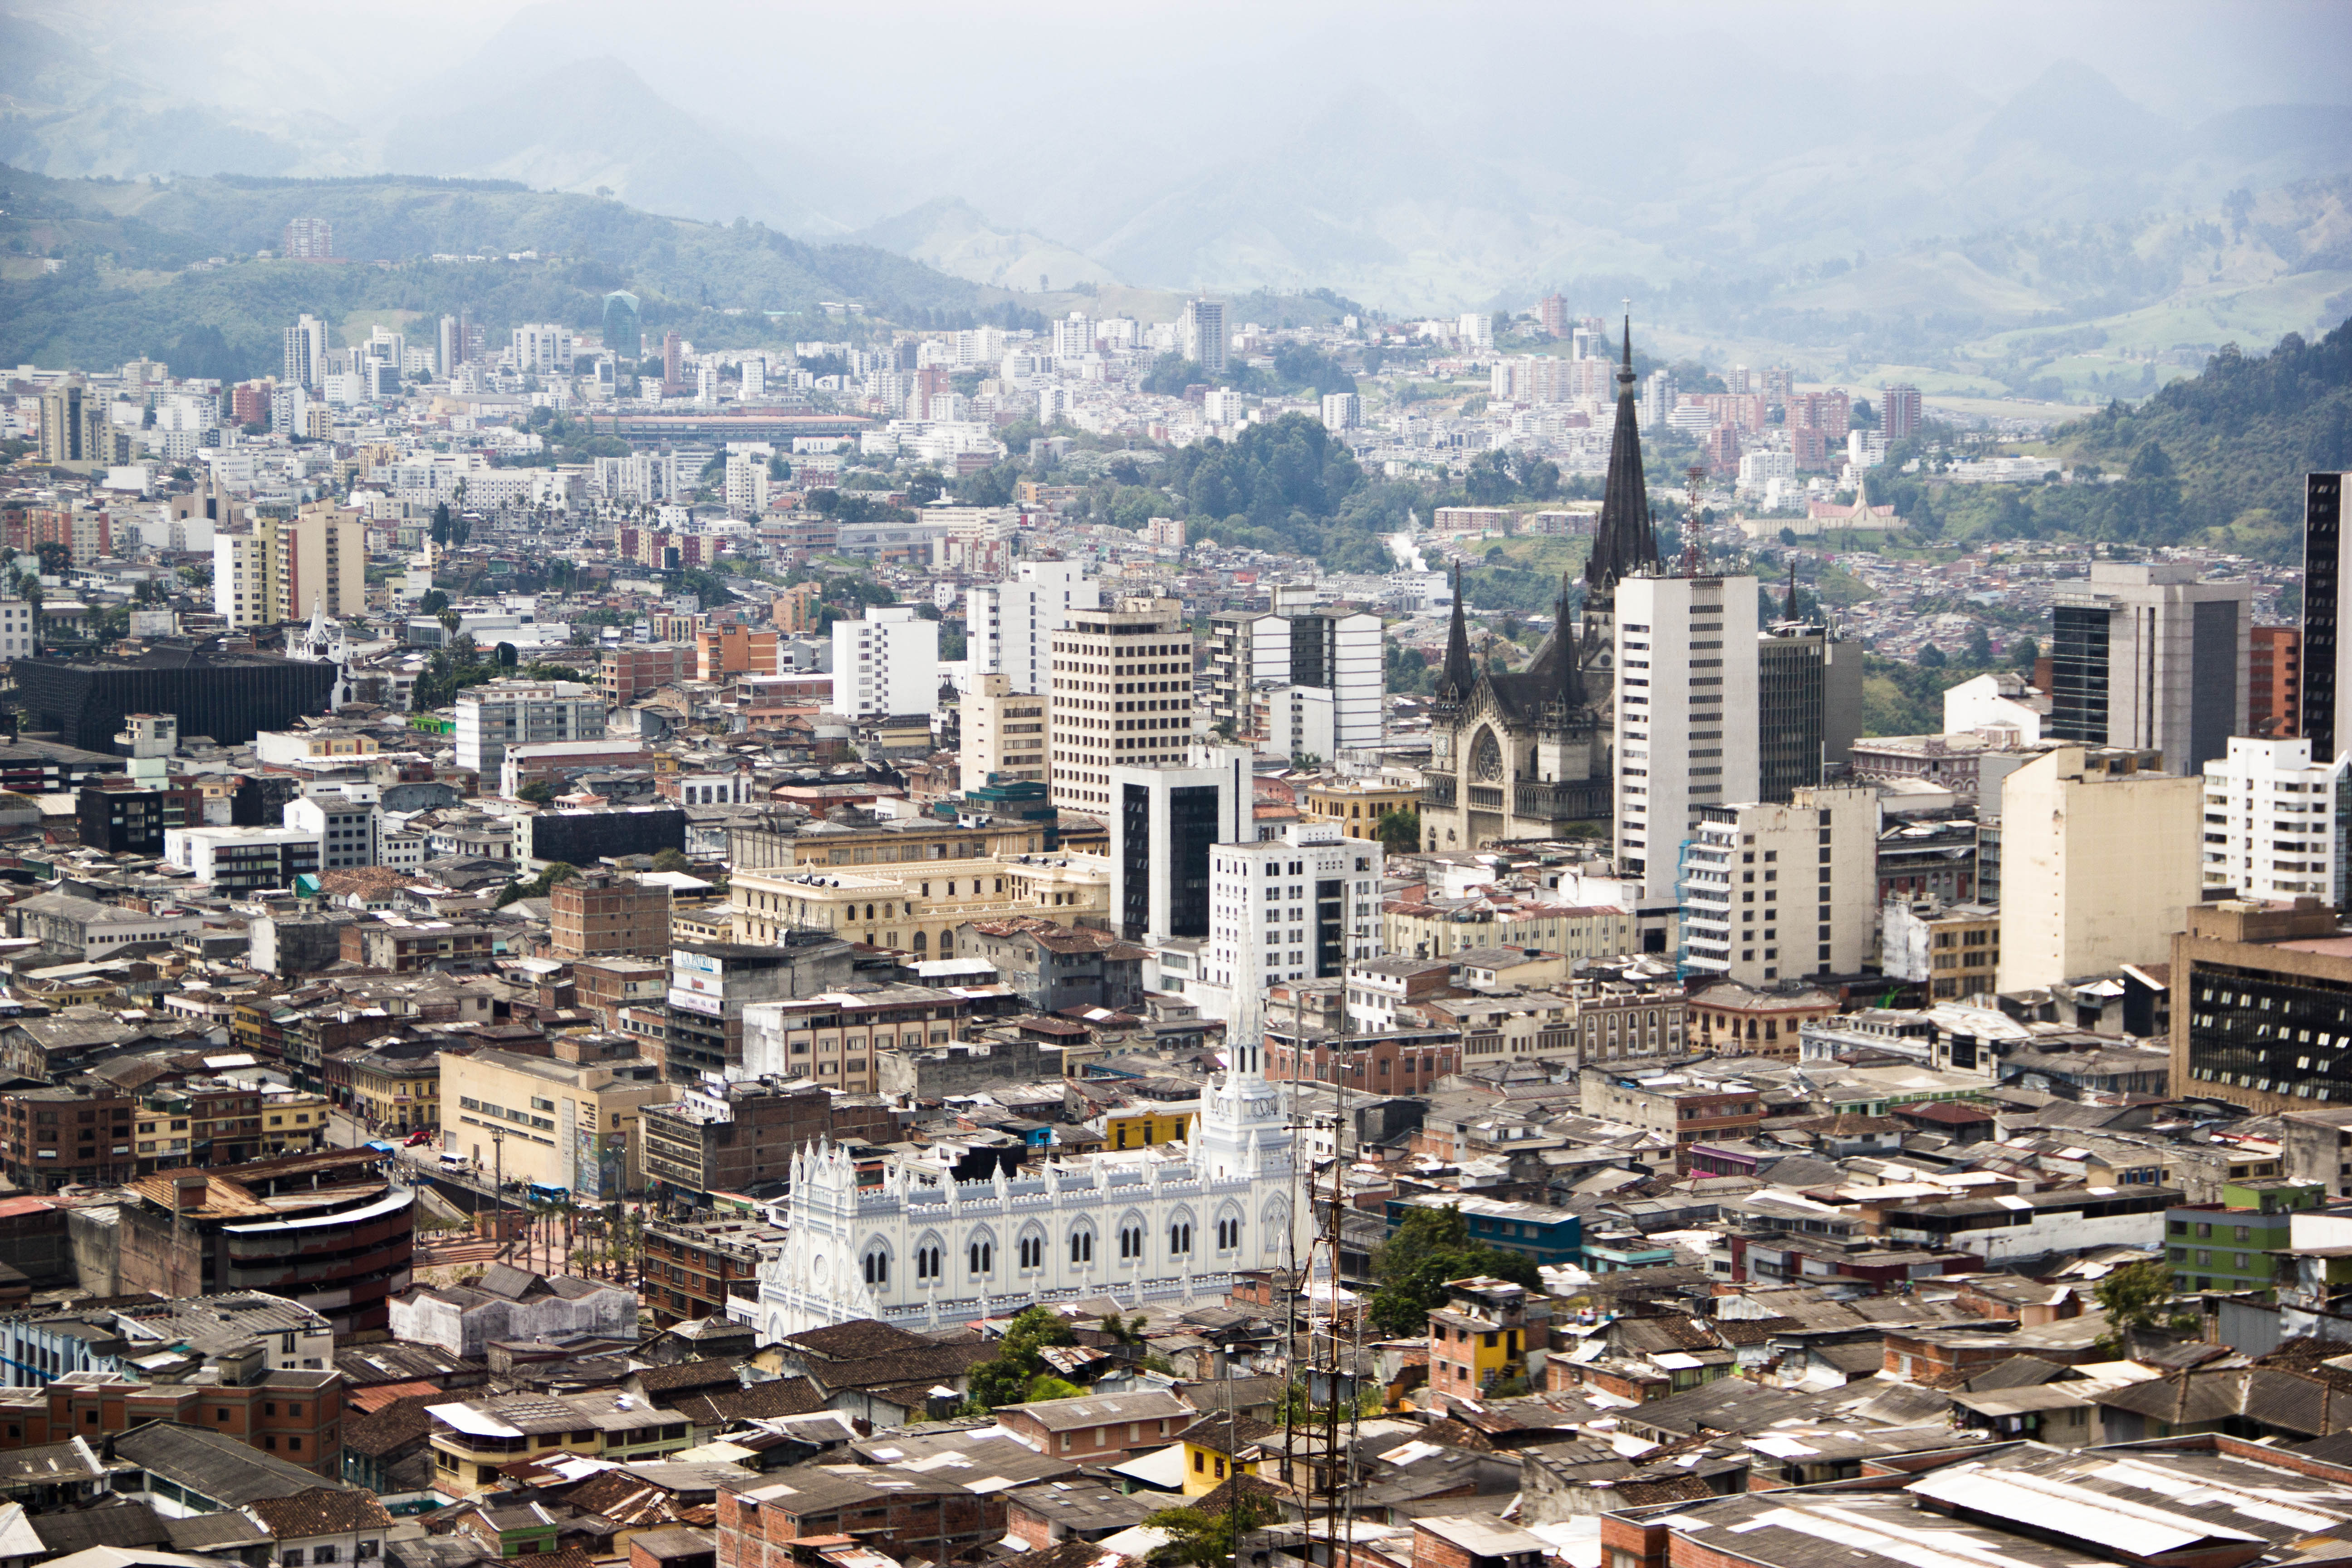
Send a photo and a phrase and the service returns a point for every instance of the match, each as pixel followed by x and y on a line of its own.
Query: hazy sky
pixel 902 71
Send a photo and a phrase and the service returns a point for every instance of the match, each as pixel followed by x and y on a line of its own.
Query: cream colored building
pixel 1578 930
pixel 2099 864
pixel 1122 690
pixel 560 1122
pixel 1004 733
pixel 287 567
pixel 915 909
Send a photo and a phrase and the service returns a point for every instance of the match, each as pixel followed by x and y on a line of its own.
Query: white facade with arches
pixel 922 1250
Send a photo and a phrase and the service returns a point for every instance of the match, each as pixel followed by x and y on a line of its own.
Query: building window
pixel 1082 1247
pixel 1180 1239
pixel 984 1256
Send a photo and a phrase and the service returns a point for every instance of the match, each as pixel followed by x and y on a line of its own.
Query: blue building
pixel 1548 1236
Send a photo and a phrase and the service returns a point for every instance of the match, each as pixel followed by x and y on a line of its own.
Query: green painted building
pixel 2227 1246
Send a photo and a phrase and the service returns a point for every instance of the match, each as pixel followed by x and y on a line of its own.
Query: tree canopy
pixel 1006 1377
pixel 1430 1246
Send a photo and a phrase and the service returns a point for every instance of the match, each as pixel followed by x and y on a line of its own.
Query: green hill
pixel 138 275
pixel 2218 459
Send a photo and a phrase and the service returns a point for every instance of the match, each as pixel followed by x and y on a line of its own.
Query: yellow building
pixel 1142 1127
pixel 540 1108
pixel 1355 805
pixel 916 908
pixel 1217 1446
pixel 393 1092
pixel 1421 930
pixel 294 1123
pixel 474 1439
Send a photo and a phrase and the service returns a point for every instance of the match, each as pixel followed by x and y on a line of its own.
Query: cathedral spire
pixel 1623 541
pixel 1458 676
pixel 1788 612
pixel 1571 693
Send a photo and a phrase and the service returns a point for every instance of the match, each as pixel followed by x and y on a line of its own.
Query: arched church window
pixel 1487 758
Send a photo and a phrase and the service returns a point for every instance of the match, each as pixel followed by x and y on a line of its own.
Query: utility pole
pixel 499 1185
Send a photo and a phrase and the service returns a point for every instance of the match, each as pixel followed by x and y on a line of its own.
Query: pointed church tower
pixel 1625 541
pixel 1454 681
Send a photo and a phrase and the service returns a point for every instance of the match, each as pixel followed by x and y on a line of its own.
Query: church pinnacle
pixel 1454 681
pixel 1623 541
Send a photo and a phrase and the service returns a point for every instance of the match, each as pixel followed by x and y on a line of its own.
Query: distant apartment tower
pixel 1477 329
pixel 1006 733
pixel 2145 656
pixel 1807 706
pixel 306 352
pixel 1686 700
pixel 308 239
pixel 1121 681
pixel 1898 412
pixel 2100 864
pixel 2326 652
pixel 2274 822
pixel 542 348
pixel 886 664
pixel 1204 334
pixel 2274 683
pixel 286 568
pixel 621 324
pixel 1774 891
pixel 448 346
pixel 1554 311
pixel 1010 626
pixel 1342 410
pixel 1166 822
pixel 755 378
pixel 673 363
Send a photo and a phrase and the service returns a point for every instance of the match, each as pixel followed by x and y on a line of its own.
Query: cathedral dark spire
pixel 1459 675
pixel 1624 540
pixel 1570 693
pixel 1788 612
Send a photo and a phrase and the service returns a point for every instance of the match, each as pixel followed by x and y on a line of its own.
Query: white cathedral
pixel 923 1250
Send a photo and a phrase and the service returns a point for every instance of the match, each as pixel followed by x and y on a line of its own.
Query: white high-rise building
pixel 1774 892
pixel 1074 337
pixel 1478 330
pixel 1342 410
pixel 1122 689
pixel 2275 822
pixel 886 664
pixel 1005 732
pixel 1011 625
pixel 345 820
pixel 1167 820
pixel 1686 708
pixel 747 481
pixel 706 385
pixel 1204 335
pixel 1300 907
pixel 305 352
pixel 755 377
pixel 1320 648
pixel 542 348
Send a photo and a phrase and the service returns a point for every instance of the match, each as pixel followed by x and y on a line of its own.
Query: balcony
pixel 1569 799
pixel 1485 797
pixel 1438 789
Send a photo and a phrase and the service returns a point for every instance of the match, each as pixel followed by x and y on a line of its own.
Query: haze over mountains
pixel 1783 199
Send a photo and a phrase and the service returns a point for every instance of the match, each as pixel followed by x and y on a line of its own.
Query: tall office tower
pixel 1004 733
pixel 1554 310
pixel 448 347
pixel 621 325
pixel 2326 652
pixel 1898 412
pixel 1525 755
pixel 288 568
pixel 1164 825
pixel 1808 703
pixel 542 348
pixel 1775 891
pixel 2100 863
pixel 2283 817
pixel 747 482
pixel 2274 683
pixel 1686 700
pixel 1122 690
pixel 673 363
pixel 308 239
pixel 886 664
pixel 1010 626
pixel 706 385
pixel 1297 645
pixel 1204 335
pixel 1477 329
pixel 755 377
pixel 2148 656
pixel 306 352
pixel 1657 399
pixel 1342 410
pixel 1300 907
pixel 1737 381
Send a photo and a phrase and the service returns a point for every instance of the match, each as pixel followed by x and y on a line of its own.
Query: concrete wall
pixel 423 1317
pixel 2095 872
pixel 92 1253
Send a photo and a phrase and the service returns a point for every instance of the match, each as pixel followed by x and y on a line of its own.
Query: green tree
pixel 1046 1386
pixel 2134 1297
pixel 673 860
pixel 1979 649
pixel 1005 1378
pixel 434 602
pixel 539 791
pixel 1430 1246
pixel 1931 657
pixel 1399 831
pixel 1206 1537
pixel 505 656
pixel 2023 653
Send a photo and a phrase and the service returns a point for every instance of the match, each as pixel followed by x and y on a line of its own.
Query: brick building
pixel 599 915
pixel 63 1137
pixel 1398 1061
pixel 894 1511
pixel 296 1417
pixel 1094 1429
pixel 407 949
pixel 705 1143
pixel 693 1270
